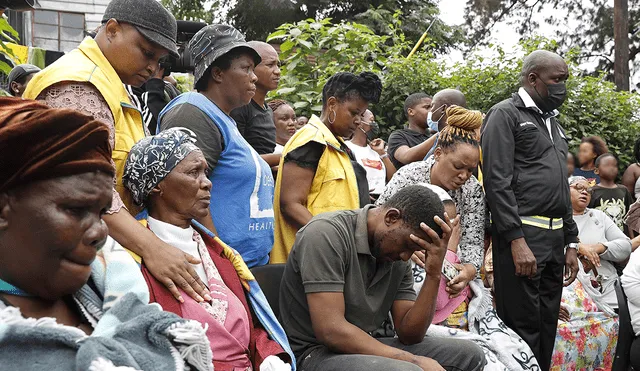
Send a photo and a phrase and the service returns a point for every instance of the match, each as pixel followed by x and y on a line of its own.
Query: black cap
pixel 150 18
pixel 21 71
pixel 212 42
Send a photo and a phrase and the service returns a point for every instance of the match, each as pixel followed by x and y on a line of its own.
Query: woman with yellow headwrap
pixel 472 317
pixel 451 167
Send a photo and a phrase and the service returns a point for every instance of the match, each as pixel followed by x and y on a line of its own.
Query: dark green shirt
pixel 331 254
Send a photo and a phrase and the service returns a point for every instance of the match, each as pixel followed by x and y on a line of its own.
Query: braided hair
pixel 277 103
pixel 461 127
pixel 346 85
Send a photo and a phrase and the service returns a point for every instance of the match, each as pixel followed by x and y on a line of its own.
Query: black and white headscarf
pixel 153 158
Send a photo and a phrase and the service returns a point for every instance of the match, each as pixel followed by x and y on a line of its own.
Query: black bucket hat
pixel 150 18
pixel 212 42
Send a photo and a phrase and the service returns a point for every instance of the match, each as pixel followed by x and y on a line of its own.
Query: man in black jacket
pixel 524 153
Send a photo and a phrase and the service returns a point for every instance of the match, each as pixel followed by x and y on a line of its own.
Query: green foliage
pixel 594 107
pixel 184 80
pixel 313 51
pixel 192 10
pixel 7 35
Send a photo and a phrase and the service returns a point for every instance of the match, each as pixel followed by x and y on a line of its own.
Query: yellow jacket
pixel 334 185
pixel 88 64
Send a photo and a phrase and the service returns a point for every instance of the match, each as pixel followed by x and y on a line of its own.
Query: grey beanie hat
pixel 150 18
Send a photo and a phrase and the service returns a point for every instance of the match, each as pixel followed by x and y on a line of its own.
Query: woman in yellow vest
pixel 133 37
pixel 317 170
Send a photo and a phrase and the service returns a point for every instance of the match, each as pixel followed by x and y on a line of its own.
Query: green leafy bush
pixel 313 51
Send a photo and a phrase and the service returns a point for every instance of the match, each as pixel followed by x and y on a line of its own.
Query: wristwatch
pixel 573 245
pixel 382 157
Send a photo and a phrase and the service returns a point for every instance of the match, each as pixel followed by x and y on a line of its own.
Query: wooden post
pixel 621 39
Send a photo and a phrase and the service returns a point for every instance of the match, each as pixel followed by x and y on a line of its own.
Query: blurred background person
pixel 301 121
pixel 371 153
pixel 19 77
pixel 590 149
pixel 284 118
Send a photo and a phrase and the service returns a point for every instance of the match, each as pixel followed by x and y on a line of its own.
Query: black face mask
pixel 373 131
pixel 557 93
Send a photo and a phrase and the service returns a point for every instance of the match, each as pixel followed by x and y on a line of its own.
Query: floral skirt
pixel 588 341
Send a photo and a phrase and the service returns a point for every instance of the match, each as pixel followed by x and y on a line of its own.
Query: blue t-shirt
pixel 242 187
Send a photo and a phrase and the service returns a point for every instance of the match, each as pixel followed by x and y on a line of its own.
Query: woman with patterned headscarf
pixel 167 175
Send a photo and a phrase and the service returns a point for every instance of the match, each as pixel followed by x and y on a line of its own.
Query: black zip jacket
pixel 524 171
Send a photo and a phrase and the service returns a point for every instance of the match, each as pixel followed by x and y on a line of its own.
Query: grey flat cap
pixel 150 18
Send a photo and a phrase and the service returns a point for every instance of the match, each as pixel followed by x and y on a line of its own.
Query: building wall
pixel 92 9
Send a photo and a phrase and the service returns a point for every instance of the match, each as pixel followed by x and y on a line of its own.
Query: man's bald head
pixel 443 100
pixel 268 71
pixel 449 97
pixel 539 61
pixel 262 48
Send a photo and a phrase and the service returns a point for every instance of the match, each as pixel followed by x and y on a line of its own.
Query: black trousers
pixel 635 353
pixel 531 306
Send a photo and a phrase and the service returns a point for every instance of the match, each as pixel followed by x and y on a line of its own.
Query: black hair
pixel 603 156
pixel 223 63
pixel 636 150
pixel 346 85
pixel 417 204
pixel 599 145
pixel 413 100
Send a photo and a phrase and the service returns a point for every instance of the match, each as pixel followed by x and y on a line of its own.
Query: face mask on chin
pixel 556 95
pixel 373 131
pixel 433 125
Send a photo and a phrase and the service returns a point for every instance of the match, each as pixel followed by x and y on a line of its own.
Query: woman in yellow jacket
pixel 133 37
pixel 317 170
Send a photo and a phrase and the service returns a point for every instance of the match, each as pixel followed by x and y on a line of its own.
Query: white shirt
pixel 180 238
pixel 278 149
pixel 595 227
pixel 372 163
pixel 529 103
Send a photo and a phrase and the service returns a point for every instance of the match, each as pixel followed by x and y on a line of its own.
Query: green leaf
pixel 284 91
pixel 298 105
pixel 276 35
pixel 286 46
pixel 306 44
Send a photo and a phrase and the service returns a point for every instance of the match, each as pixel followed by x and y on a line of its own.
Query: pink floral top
pixel 86 98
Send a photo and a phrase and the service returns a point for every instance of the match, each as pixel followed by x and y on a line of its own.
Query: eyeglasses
pixel 581 188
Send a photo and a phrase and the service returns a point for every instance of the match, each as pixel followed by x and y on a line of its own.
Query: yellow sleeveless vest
pixel 88 64
pixel 334 185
